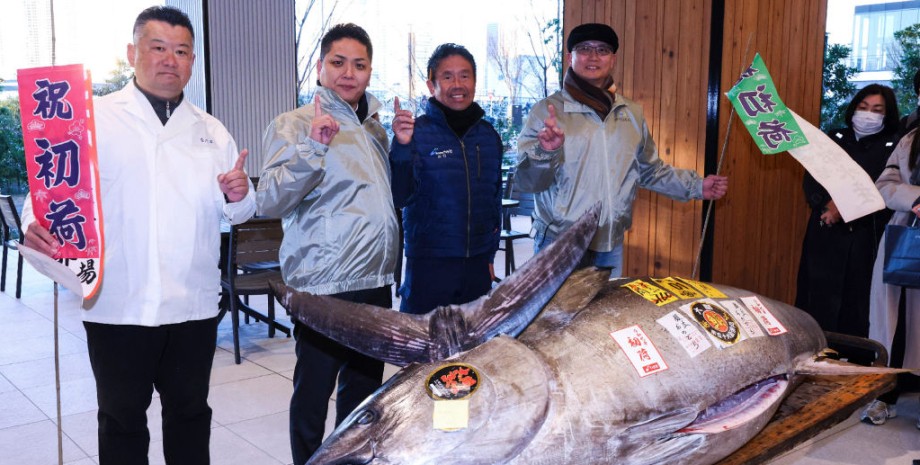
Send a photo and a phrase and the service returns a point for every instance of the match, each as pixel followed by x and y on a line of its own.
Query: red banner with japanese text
pixel 60 148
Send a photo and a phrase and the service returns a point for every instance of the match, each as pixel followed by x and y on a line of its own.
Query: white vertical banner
pixel 853 191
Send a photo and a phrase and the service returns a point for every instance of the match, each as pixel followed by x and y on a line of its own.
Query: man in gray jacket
pixel 586 144
pixel 327 174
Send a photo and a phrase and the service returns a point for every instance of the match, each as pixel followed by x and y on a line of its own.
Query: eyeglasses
pixel 600 50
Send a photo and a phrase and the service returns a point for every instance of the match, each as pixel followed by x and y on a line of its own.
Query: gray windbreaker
pixel 340 227
pixel 600 161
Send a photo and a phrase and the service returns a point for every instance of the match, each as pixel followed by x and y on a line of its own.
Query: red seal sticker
pixel 452 382
pixel 716 321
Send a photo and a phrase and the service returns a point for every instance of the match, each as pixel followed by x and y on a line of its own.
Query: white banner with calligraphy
pixel 58 134
pixel 853 191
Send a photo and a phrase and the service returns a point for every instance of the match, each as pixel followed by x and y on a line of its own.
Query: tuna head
pixel 482 407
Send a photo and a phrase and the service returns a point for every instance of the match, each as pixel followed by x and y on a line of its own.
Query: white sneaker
pixel 878 412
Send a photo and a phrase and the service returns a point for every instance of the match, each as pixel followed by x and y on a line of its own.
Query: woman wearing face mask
pixel 835 272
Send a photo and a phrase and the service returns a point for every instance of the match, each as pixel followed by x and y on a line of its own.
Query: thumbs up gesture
pixel 324 127
pixel 235 183
pixel 403 123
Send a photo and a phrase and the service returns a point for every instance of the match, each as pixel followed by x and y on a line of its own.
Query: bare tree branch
pixel 503 54
pixel 306 61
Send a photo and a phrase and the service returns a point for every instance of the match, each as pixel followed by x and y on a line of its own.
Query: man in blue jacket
pixel 446 168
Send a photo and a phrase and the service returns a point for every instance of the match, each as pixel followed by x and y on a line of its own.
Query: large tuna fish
pixel 634 371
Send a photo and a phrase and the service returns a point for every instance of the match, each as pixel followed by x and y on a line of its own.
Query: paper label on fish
pixel 640 351
pixel 747 322
pixel 720 325
pixel 686 333
pixel 764 316
pixel 452 382
pixel 679 288
pixel 651 293
pixel 706 289
pixel 451 415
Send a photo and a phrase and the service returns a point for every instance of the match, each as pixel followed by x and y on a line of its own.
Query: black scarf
pixel 460 121
pixel 599 99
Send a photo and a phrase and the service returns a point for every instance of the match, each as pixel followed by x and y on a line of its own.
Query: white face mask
pixel 866 123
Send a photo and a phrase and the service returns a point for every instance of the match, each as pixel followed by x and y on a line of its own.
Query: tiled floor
pixel 250 400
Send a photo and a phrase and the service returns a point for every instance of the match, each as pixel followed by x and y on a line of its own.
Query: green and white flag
pixel 776 128
pixel 764 114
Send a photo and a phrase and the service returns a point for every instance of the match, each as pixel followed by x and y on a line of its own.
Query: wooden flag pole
pixel 728 131
pixel 57 348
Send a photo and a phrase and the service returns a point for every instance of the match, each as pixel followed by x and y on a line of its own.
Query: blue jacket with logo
pixel 449 188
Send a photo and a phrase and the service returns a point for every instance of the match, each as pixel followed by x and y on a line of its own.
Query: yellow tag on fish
pixel 451 415
pixel 653 294
pixel 710 291
pixel 679 288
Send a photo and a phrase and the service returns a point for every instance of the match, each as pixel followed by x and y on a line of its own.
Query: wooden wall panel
pixel 663 64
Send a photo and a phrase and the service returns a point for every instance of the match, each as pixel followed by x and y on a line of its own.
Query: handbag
pixel 902 255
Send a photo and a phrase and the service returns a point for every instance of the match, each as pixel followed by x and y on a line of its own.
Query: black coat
pixel 835 272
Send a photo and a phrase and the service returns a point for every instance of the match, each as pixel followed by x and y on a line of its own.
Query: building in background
pixel 868 27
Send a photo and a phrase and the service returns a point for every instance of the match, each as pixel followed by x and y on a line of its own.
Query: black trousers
pixel 433 282
pixel 319 361
pixel 128 363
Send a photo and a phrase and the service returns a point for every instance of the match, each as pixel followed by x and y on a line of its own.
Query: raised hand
pixel 403 123
pixel 551 136
pixel 324 127
pixel 235 183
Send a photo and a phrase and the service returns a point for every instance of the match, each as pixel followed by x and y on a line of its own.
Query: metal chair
pixel 251 245
pixel 11 235
pixel 507 236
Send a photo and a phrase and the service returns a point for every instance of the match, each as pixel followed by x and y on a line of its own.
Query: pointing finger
pixel 241 161
pixel 396 107
pixel 552 111
pixel 317 107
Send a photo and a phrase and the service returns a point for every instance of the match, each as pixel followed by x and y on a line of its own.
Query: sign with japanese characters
pixel 764 114
pixel 776 128
pixel 642 354
pixel 60 149
pixel 764 316
pixel 651 293
pixel 687 335
pixel 853 191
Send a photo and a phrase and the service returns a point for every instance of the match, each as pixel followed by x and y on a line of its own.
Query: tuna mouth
pixel 363 455
pixel 741 407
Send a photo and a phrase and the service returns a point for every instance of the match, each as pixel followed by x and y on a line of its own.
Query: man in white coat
pixel 169 173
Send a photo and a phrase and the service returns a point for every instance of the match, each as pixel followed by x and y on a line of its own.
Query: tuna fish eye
pixel 366 417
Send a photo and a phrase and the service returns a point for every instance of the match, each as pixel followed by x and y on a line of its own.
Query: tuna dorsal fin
pixel 511 306
pixel 574 295
pixel 381 333
pixel 820 365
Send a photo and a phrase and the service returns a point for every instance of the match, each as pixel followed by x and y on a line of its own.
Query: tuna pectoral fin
pixel 655 441
pixel 381 333
pixel 830 367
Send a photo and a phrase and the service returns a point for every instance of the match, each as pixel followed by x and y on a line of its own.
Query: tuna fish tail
pixel 400 339
pixel 381 333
